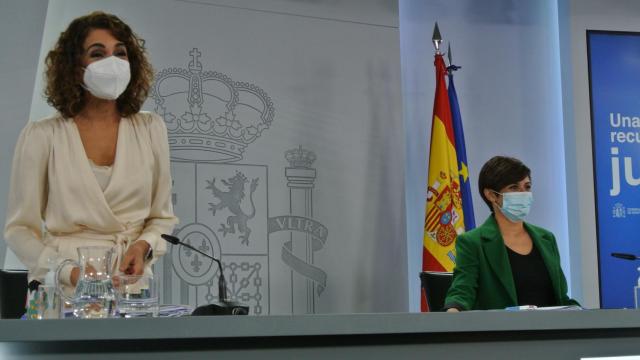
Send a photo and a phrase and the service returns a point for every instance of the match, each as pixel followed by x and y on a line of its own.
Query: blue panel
pixel 614 70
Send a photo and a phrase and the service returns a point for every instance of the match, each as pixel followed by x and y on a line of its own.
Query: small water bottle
pixel 636 293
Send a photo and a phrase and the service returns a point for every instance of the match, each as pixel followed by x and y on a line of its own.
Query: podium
pixel 467 335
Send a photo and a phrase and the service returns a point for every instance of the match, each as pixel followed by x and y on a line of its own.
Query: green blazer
pixel 482 278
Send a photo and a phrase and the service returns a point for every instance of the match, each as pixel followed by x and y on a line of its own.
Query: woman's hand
pixel 75 274
pixel 452 310
pixel 133 260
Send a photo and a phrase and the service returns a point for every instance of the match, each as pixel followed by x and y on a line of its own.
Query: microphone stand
pixel 224 306
pixel 625 256
pixel 636 289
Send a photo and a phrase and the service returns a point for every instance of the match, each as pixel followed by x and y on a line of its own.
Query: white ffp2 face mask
pixel 107 78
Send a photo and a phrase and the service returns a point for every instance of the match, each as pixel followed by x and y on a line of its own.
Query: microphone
pixel 225 307
pixel 624 256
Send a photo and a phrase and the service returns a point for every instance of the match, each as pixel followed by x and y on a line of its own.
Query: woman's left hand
pixel 133 260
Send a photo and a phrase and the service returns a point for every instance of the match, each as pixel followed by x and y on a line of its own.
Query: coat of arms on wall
pixel 223 204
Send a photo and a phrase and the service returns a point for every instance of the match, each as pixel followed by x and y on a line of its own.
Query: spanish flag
pixel 444 218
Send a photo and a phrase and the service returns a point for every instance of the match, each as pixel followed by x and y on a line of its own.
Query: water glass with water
pixel 137 295
pixel 94 296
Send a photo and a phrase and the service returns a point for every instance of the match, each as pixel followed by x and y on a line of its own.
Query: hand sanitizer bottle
pixel 636 293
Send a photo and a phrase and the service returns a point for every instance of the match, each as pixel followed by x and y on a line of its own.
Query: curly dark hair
pixel 63 75
pixel 499 172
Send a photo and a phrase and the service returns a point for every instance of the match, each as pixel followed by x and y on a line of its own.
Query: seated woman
pixel 506 262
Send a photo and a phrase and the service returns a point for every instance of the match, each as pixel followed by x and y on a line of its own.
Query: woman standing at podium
pixel 506 261
pixel 97 172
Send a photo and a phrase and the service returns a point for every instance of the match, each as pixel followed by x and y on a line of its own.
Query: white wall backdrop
pixel 510 98
pixel 21 22
pixel 321 78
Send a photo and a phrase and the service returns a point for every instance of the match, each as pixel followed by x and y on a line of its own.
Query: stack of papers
pixel 533 307
pixel 174 310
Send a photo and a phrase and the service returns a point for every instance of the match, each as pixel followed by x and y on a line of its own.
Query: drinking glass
pixel 48 302
pixel 137 295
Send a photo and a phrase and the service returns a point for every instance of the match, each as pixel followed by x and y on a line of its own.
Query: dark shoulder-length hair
pixel 499 172
pixel 64 71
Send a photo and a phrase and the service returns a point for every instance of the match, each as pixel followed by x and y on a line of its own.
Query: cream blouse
pixel 102 174
pixel 56 203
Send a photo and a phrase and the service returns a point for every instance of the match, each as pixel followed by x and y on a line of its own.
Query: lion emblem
pixel 232 199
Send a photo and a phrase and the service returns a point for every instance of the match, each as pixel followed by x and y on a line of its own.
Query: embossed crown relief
pixel 223 205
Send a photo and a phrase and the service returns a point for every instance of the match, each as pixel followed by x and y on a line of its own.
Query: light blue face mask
pixel 516 205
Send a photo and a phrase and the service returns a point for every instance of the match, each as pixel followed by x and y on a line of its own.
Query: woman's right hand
pixel 75 274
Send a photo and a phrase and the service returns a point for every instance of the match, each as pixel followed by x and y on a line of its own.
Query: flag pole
pixel 436 39
pixel 444 218
pixel 451 68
